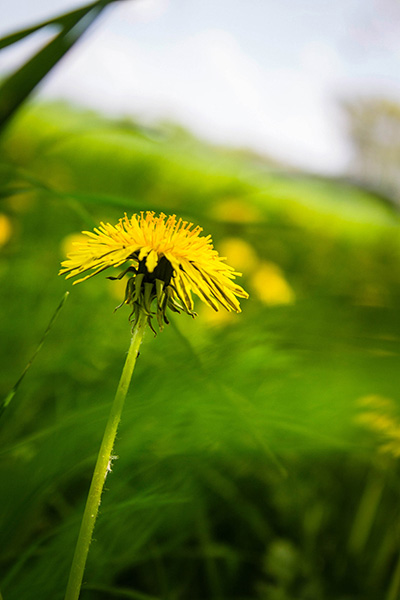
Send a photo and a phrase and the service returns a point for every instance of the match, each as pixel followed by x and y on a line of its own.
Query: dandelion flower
pixel 168 260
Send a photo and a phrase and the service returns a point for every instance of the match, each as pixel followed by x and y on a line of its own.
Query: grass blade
pixel 23 81
pixel 12 392
pixel 64 21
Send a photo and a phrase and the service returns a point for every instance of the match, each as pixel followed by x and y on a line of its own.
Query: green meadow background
pixel 243 469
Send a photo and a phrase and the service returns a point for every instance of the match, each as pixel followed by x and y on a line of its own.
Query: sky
pixel 263 74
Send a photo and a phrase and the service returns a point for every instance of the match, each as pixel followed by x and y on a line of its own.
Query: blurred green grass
pixel 241 467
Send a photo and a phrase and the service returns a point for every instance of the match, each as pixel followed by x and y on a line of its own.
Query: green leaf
pixel 12 392
pixel 22 82
pixel 66 20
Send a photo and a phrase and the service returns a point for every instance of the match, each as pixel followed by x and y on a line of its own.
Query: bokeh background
pixel 257 455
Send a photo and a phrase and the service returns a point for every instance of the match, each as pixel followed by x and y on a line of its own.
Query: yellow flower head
pixel 168 260
pixel 382 417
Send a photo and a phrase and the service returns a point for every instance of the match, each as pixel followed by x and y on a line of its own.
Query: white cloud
pixel 321 60
pixel 208 83
pixel 255 78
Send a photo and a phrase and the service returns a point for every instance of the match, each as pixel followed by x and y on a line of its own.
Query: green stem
pixel 102 467
pixel 366 513
pixel 394 587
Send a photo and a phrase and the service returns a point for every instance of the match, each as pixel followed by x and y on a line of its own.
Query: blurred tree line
pixel 373 125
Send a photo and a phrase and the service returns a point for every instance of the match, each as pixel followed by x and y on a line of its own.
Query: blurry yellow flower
pixel 378 422
pixel 392 447
pixel 270 285
pixel 235 210
pixel 214 318
pixel 239 253
pixel 167 258
pixel 382 418
pixel 5 229
pixel 70 242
